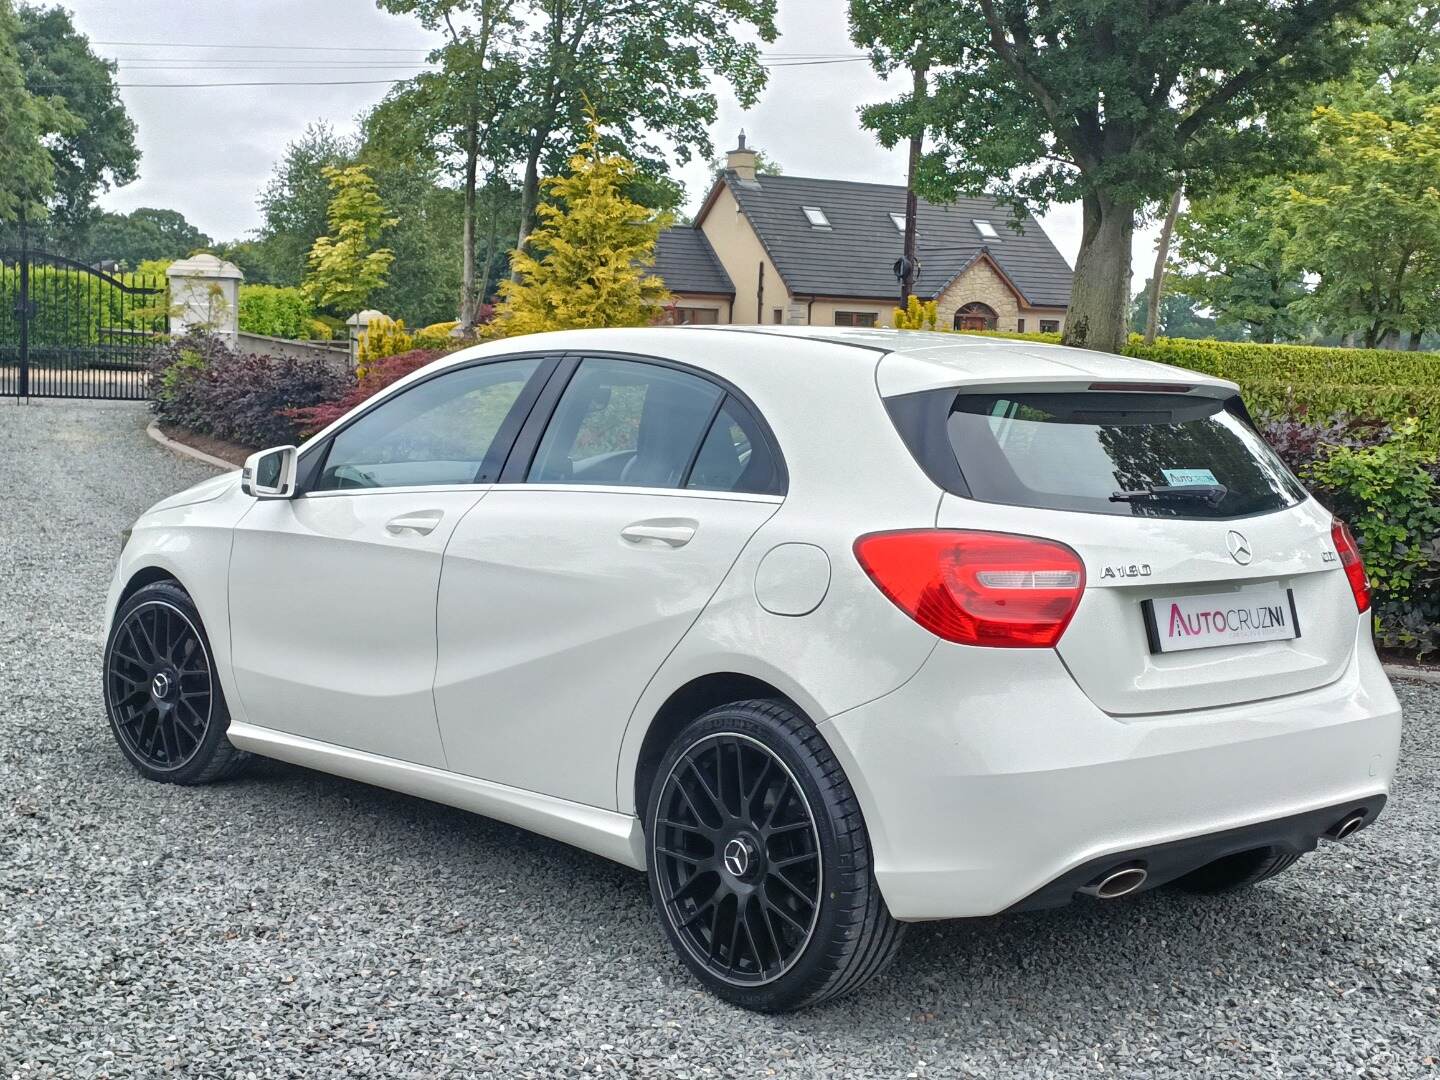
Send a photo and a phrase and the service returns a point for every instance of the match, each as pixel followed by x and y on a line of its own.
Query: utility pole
pixel 910 266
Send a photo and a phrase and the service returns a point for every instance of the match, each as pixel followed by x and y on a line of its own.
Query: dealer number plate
pixel 1255 613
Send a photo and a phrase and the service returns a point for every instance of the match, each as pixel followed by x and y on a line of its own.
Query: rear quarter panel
pixel 850 474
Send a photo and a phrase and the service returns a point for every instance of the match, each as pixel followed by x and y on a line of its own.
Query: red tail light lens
pixel 977 588
pixel 1351 562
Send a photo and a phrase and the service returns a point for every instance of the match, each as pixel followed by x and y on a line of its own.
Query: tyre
pixel 1238 871
pixel 166 709
pixel 759 862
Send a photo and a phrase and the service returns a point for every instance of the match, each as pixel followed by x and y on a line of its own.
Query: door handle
pixel 674 532
pixel 422 522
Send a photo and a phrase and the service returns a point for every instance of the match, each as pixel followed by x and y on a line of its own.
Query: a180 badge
pixel 1133 570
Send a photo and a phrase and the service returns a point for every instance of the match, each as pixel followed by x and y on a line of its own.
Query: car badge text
pixel 1133 570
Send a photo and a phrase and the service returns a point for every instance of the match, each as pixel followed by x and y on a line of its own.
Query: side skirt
pixel 605 832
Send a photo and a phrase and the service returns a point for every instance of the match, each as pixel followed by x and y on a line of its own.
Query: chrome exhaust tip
pixel 1347 826
pixel 1117 883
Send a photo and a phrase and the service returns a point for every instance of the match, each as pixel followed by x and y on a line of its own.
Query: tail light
pixel 977 588
pixel 1351 562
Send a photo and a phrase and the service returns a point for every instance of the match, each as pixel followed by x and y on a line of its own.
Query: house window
pixel 985 229
pixel 775 316
pixel 855 318
pixel 816 217
pixel 976 316
pixel 1049 326
pixel 695 316
pixel 1019 326
pixel 899 220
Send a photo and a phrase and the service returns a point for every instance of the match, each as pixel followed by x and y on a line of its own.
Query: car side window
pixel 625 423
pixel 437 432
pixel 735 455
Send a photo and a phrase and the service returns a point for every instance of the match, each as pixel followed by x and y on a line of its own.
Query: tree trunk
pixel 1100 296
pixel 529 195
pixel 467 277
pixel 489 242
pixel 1413 345
pixel 1157 279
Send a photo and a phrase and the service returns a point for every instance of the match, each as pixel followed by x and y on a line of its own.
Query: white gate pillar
pixel 205 295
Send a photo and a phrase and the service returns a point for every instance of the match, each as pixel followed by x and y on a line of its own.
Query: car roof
pixel 899 361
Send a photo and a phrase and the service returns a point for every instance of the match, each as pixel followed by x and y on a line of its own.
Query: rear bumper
pixel 989 781
pixel 1163 863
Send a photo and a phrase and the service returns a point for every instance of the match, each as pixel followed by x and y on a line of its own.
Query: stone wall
pixel 335 353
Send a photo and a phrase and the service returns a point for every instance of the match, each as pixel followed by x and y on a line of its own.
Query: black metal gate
pixel 70 330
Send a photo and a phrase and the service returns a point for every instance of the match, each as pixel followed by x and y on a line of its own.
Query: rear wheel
pixel 759 862
pixel 1238 871
pixel 167 711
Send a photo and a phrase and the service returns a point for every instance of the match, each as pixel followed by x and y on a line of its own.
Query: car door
pixel 332 593
pixel 564 591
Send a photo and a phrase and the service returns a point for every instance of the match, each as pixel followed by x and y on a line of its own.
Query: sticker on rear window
pixel 1188 477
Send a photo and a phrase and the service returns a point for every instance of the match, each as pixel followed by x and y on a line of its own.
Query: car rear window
pixel 1130 454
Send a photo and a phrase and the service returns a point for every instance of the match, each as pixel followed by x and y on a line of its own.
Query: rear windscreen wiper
pixel 1208 493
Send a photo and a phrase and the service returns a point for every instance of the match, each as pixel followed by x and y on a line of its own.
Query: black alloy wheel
pixel 759 861
pixel 738 858
pixel 165 705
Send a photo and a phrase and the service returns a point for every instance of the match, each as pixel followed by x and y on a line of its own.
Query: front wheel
pixel 759 862
pixel 165 704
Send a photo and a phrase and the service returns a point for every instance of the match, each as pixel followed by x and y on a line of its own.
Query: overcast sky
pixel 207 151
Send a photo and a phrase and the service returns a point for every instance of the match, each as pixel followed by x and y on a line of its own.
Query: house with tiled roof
pixel 801 251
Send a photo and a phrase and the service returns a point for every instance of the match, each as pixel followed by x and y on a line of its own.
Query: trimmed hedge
pixel 281 311
pixel 1380 383
pixel 73 307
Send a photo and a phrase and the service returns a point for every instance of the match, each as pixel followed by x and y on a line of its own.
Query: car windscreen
pixel 1130 454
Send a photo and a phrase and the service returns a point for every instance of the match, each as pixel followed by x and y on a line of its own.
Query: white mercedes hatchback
pixel 828 631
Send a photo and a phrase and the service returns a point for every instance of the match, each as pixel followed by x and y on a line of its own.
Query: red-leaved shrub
pixel 246 398
pixel 378 375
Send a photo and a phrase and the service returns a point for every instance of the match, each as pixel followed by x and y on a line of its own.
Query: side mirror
pixel 270 474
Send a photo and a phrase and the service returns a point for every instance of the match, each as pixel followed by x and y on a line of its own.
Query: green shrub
pixel 1390 496
pixel 437 336
pixel 279 311
pixel 383 337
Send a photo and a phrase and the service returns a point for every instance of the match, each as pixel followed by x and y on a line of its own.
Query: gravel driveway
pixel 292 924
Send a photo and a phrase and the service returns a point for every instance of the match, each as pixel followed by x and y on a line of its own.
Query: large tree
pixel 1179 316
pixel 1234 251
pixel 296 199
pixel 146 233
pixel 27 177
pixel 459 112
pixel 1116 103
pixel 428 236
pixel 648 70
pixel 1366 216
pixel 98 150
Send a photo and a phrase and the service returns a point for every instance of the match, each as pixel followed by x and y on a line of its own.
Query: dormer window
pixel 816 217
pixel 898 220
pixel 985 229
